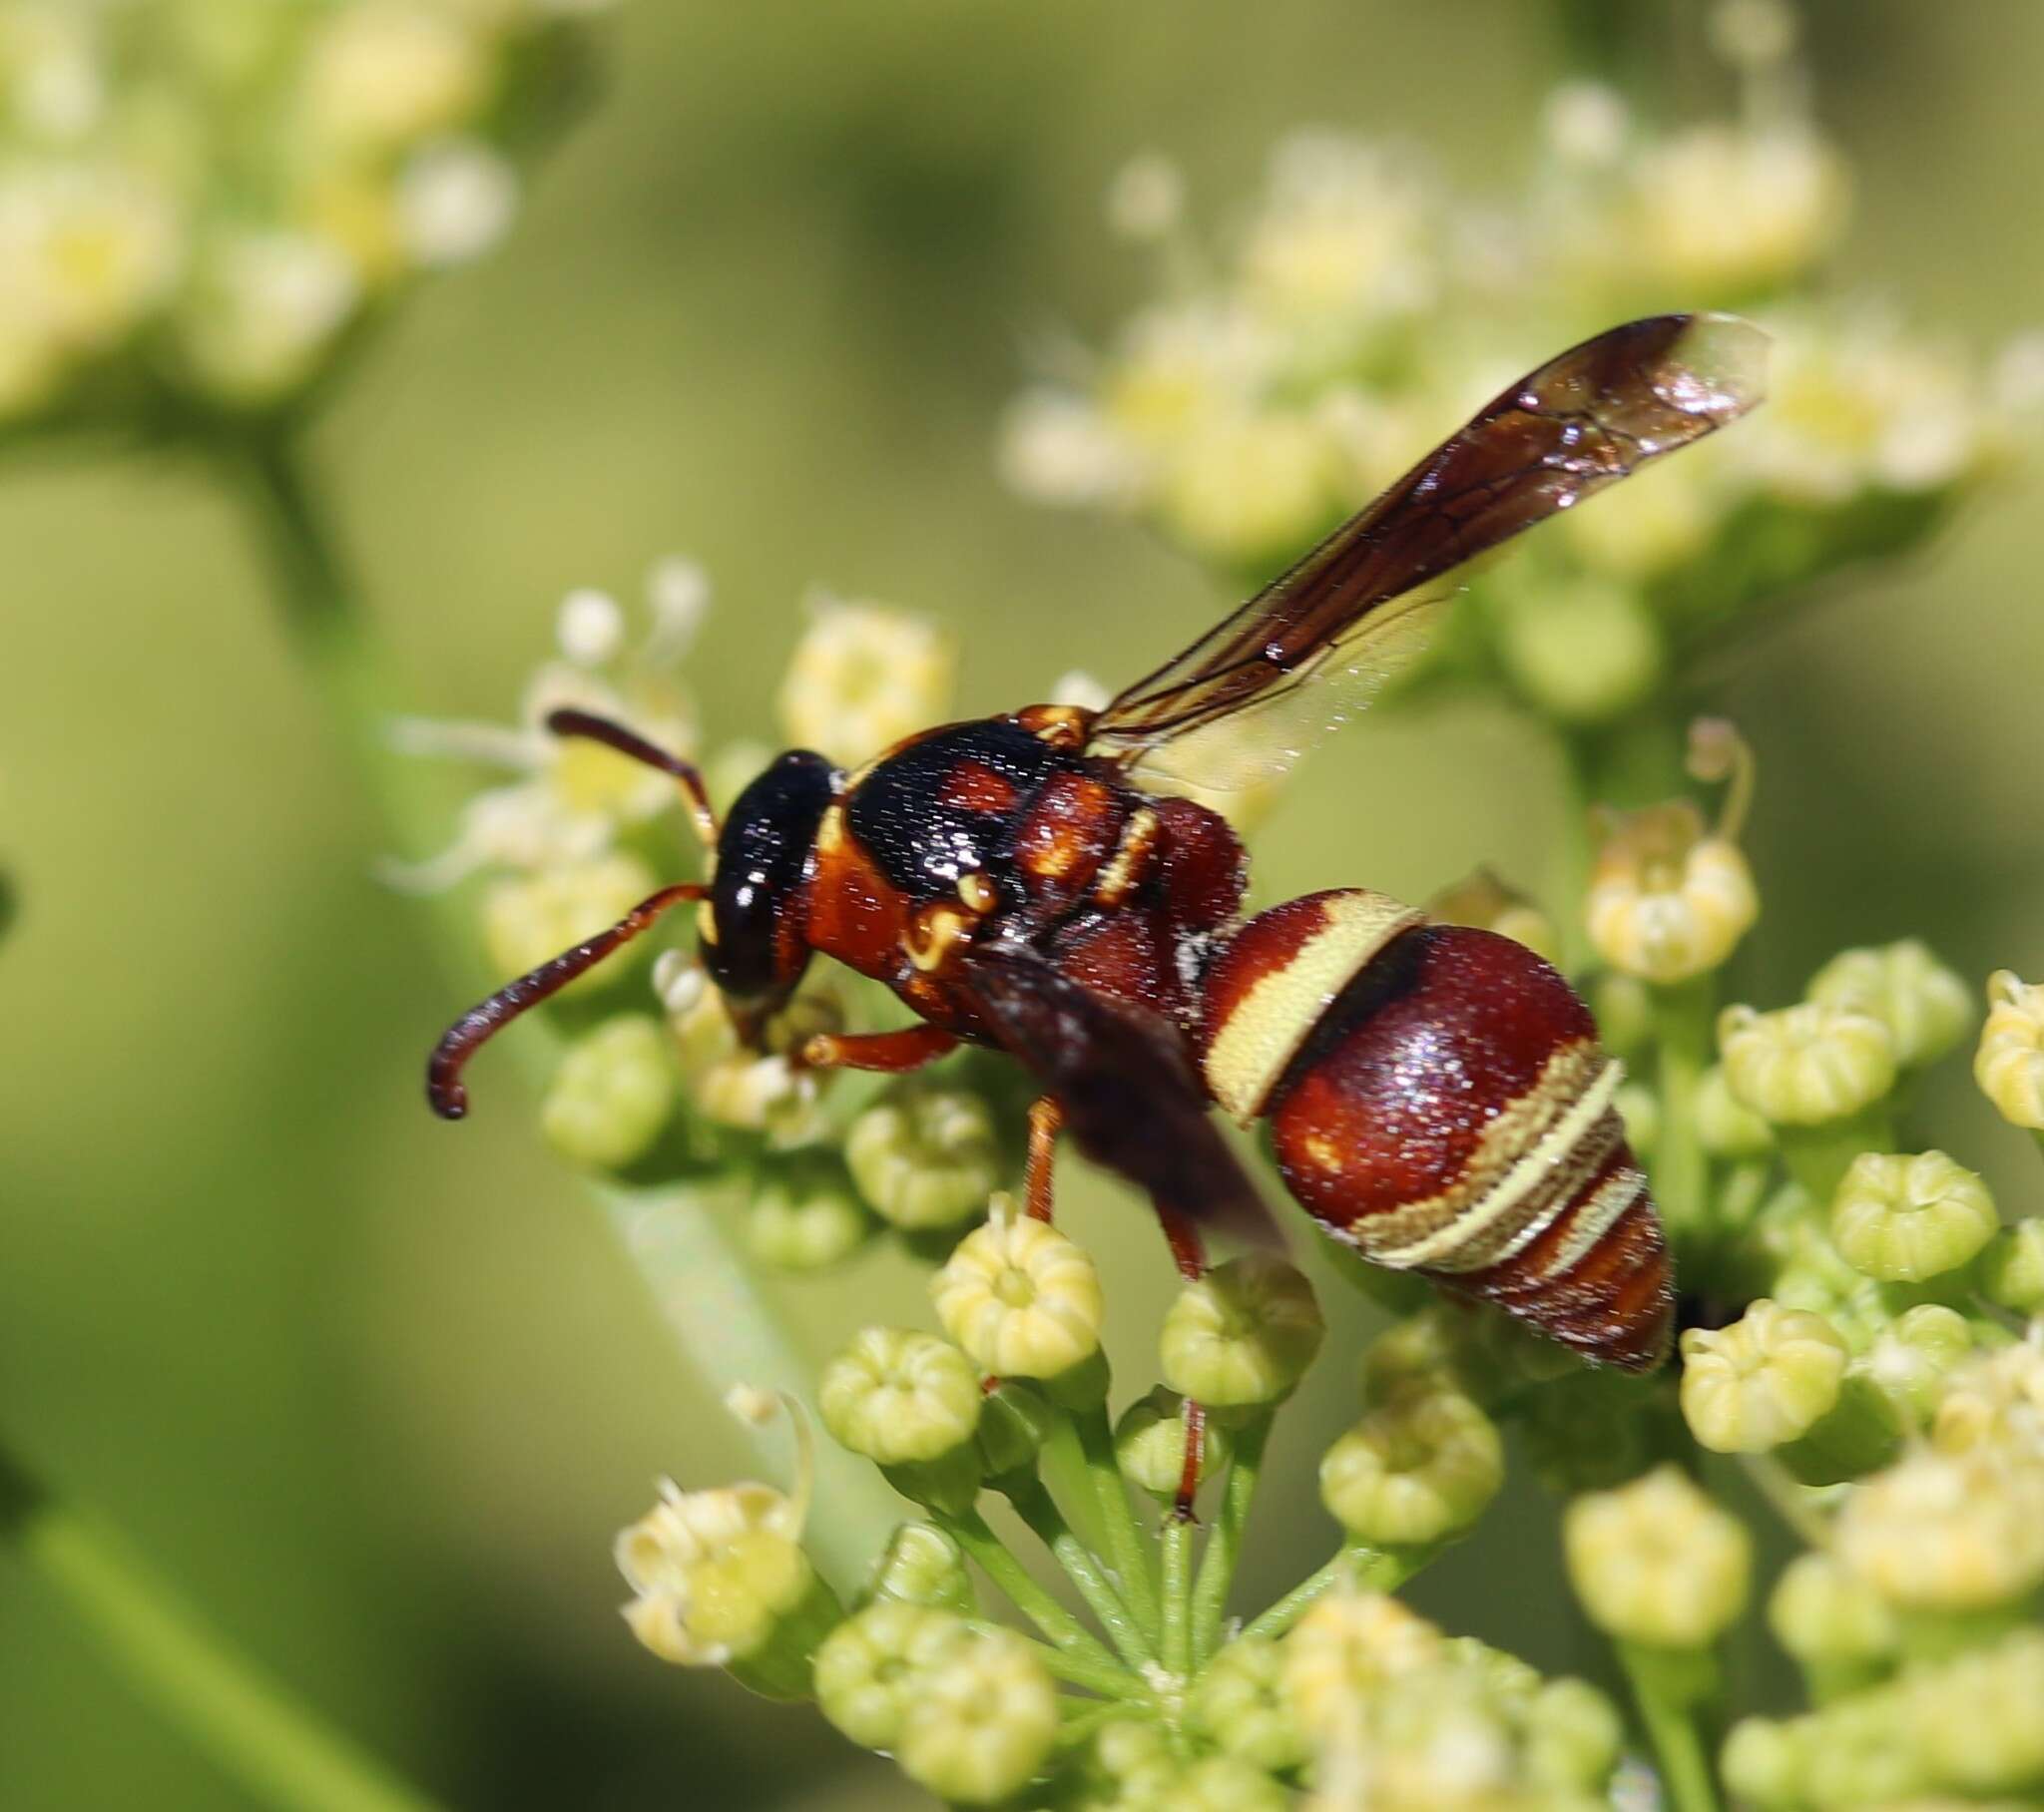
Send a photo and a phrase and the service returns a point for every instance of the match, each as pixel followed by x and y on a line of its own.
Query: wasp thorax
pixel 1438 1099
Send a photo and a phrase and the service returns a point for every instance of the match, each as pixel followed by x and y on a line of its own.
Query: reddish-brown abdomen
pixel 1446 1109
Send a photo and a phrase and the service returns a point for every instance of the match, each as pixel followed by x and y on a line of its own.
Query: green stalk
pixel 1680 1167
pixel 1224 1542
pixel 276 1748
pixel 710 1301
pixel 1176 1542
pixel 1108 1678
pixel 1046 1521
pixel 1665 1686
pixel 1356 1568
pixel 971 1532
pixel 1126 1550
pixel 1818 1157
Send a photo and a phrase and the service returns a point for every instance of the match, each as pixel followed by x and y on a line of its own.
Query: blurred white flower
pixel 454 202
pixel 263 310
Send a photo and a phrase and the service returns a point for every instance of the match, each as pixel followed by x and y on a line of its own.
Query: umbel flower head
pixel 208 203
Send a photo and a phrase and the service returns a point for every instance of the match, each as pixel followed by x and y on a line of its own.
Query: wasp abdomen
pixel 1438 1098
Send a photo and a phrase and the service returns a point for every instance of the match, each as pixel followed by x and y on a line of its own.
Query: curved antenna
pixel 628 742
pixel 445 1090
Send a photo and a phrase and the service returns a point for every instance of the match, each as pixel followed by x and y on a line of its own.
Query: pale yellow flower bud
pixel 1806 1064
pixel 613 1092
pixel 1585 651
pixel 898 1396
pixel 1974 1722
pixel 1246 486
pixel 530 919
pixel 807 1218
pixel 1901 1220
pixel 2013 1271
pixel 1345 1648
pixel 2009 1065
pixel 383 73
pixel 924 1566
pixel 1240 1702
pixel 1657 1562
pixel 1822 1613
pixel 873 1667
pixel 1910 1360
pixel 863 678
pixel 1721 211
pixel 982 1723
pixel 1947 1531
pixel 1764 1380
pixel 1020 1297
pixel 1924 1003
pixel 1243 1334
pixel 925 1158
pixel 1149 1444
pixel 1668 902
pixel 1419 1468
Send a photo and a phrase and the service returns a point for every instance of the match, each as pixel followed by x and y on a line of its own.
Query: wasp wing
pixel 1131 1102
pixel 1582 421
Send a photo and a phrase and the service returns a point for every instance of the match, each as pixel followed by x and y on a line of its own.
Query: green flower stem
pixel 1224 1542
pixel 1664 1687
pixel 713 1304
pixel 1356 1567
pixel 279 1752
pixel 2038 1136
pixel 1126 1549
pixel 1109 1678
pixel 1682 1027
pixel 1081 1718
pixel 1783 1496
pixel 971 1533
pixel 1047 1523
pixel 1176 1540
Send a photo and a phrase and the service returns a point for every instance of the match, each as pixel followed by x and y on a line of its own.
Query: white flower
pixel 863 677
pixel 1147 198
pixel 86 251
pixel 1726 211
pixel 264 308
pixel 456 201
pixel 382 73
pixel 1059 449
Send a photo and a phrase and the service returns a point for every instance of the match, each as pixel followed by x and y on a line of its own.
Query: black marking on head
pixel 766 853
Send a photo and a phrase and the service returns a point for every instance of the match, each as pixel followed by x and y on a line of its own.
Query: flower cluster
pixel 1362 308
pixel 203 202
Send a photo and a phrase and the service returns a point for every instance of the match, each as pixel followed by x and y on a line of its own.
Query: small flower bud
pixel 982 1723
pixel 1225 1783
pixel 1726 1126
pixel 1668 902
pixel 1240 1702
pixel 1344 1649
pixel 1767 1762
pixel 1657 1562
pixel 613 1092
pixel 2013 1271
pixel 1808 1064
pixel 1420 1469
pixel 2009 1065
pixel 1149 1444
pixel 1903 1220
pixel 1625 1013
pixel 1946 1531
pixel 1585 651
pixel 1910 1361
pixel 925 1158
pixel 921 1564
pixel 1484 901
pixel 1826 1615
pixel 876 1663
pixel 804 1217
pixel 1020 1297
pixel 898 1396
pixel 1975 1721
pixel 1243 1334
pixel 863 677
pixel 1573 1737
pixel 1924 1003
pixel 1423 1352
pixel 530 919
pixel 1764 1380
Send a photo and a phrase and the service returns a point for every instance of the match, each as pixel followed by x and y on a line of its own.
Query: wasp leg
pixel 1191 1254
pixel 888 1053
pixel 1046 1120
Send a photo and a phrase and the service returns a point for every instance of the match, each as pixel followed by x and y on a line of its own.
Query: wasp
pixel 1436 1095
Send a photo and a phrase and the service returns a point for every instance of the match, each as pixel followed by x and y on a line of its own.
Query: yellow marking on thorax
pixel 1132 860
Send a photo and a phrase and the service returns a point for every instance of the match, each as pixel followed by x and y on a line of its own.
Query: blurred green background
pixel 376 1392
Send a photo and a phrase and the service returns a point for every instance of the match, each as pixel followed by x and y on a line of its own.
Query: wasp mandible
pixel 1436 1094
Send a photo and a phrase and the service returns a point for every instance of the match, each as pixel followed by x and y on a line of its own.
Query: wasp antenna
pixel 445 1090
pixel 570 722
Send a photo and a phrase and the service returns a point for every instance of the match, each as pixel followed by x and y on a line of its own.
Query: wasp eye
pixel 758 945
